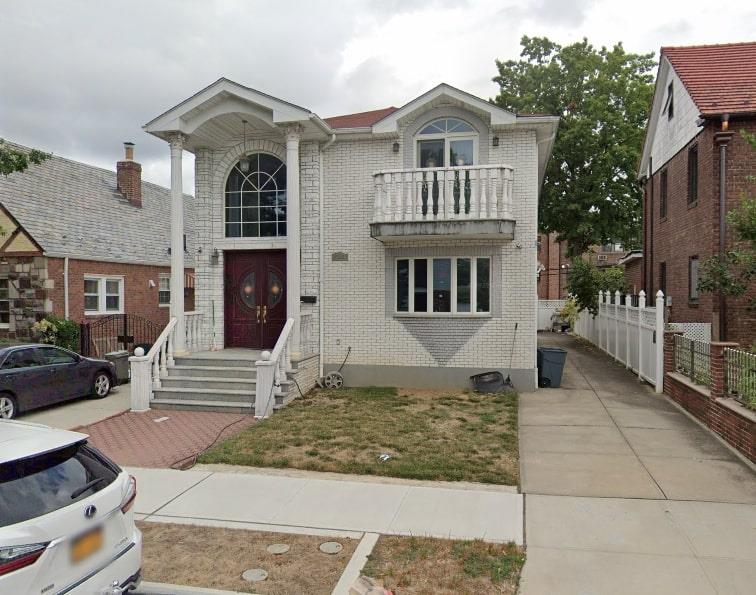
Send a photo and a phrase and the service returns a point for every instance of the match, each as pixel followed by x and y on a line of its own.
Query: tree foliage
pixel 585 280
pixel 589 194
pixel 733 272
pixel 18 160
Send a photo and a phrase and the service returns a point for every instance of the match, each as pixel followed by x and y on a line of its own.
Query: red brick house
pixel 85 243
pixel 693 170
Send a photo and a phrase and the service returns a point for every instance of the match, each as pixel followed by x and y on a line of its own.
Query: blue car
pixel 33 376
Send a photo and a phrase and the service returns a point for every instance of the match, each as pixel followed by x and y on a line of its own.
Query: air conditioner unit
pixel 602 257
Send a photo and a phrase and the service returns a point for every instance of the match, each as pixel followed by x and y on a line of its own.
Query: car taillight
pixel 130 496
pixel 17 556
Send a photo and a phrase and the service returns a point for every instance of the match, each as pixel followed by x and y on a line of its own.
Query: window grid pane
pixel 483 285
pixel 463 285
pixel 442 284
pixel 256 200
pixel 402 285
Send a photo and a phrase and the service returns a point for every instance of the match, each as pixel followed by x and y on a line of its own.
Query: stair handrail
pixel 272 368
pixel 147 369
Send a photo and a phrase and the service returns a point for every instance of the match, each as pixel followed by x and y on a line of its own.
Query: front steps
pixel 215 382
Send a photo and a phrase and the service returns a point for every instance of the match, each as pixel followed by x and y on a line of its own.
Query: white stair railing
pixel 272 368
pixel 192 322
pixel 148 369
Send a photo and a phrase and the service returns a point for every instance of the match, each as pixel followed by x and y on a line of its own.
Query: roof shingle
pixel 361 119
pixel 720 78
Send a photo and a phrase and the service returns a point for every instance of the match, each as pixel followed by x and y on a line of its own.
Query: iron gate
pixel 117 332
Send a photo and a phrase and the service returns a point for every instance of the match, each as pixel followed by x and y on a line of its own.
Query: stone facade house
pixel 400 240
pixel 85 243
pixel 694 170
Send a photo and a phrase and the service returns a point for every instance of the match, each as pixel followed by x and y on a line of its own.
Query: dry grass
pixel 424 566
pixel 431 435
pixel 212 557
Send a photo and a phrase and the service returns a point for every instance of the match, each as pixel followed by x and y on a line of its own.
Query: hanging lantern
pixel 244 161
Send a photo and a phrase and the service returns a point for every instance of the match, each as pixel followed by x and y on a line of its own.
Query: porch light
pixel 214 256
pixel 395 147
pixel 244 162
pixel 495 141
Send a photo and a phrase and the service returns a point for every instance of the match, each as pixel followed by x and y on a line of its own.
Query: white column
pixel 293 293
pixel 177 243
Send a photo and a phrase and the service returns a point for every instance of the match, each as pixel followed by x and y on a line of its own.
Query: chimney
pixel 129 177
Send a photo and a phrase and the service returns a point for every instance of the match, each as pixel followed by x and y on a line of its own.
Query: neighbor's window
pixel 256 197
pixel 663 188
pixel 103 295
pixel 4 304
pixel 663 277
pixel 164 290
pixel 446 142
pixel 693 278
pixel 453 285
pixel 669 105
pixel 693 174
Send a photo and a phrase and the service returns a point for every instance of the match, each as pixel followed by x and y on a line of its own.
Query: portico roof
pixel 214 114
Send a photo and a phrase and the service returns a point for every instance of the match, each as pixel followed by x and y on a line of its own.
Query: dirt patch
pixel 424 566
pixel 428 435
pixel 215 558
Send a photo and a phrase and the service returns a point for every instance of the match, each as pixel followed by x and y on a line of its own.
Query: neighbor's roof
pixel 720 78
pixel 361 119
pixel 73 209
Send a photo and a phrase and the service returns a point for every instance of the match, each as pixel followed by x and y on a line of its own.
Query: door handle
pixel 258 314
pixel 265 314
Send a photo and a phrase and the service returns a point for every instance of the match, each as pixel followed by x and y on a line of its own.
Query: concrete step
pixel 214 371
pixel 210 383
pixel 216 406
pixel 218 362
pixel 201 394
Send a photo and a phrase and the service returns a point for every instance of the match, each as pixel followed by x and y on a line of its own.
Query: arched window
pixel 447 142
pixel 256 197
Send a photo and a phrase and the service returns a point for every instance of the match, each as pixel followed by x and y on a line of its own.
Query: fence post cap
pixel 642 293
pixel 730 344
pixel 617 293
pixel 659 294
pixel 265 356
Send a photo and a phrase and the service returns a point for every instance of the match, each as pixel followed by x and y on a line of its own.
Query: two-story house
pixel 400 240
pixel 694 170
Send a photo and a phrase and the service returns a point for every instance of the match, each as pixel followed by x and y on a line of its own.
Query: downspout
pixel 65 287
pixel 650 286
pixel 321 284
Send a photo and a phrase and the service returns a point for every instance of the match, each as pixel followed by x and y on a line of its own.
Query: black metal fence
pixel 740 376
pixel 692 359
pixel 115 333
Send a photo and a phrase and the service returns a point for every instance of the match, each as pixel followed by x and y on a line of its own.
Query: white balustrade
pixel 443 193
pixel 147 369
pixel 272 368
pixel 193 321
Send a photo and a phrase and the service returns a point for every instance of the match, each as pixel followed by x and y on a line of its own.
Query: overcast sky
pixel 79 77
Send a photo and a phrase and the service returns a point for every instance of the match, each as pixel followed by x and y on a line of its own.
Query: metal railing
pixel 692 359
pixel 740 376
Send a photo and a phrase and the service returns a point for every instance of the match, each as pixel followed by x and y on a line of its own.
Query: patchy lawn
pixel 431 435
pixel 215 558
pixel 424 566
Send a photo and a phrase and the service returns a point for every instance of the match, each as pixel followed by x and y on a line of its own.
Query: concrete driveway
pixel 626 494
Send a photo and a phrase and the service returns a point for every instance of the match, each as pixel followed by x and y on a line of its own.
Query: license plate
pixel 87 544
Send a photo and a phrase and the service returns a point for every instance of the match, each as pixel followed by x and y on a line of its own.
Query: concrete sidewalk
pixel 304 502
pixel 626 494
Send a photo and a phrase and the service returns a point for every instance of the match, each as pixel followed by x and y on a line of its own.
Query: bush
pixel 585 280
pixel 58 331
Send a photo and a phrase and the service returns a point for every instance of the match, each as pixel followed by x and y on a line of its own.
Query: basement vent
pixel 339 257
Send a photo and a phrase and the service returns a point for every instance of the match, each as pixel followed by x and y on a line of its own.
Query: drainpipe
pixel 321 284
pixel 722 138
pixel 65 287
pixel 650 286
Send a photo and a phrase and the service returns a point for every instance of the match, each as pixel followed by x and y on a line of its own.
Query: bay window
pixel 456 285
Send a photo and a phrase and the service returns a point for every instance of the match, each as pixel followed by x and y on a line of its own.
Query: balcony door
pixel 254 298
pixel 447 142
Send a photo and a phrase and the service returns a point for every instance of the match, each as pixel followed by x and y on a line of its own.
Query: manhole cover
pixel 277 548
pixel 331 547
pixel 254 575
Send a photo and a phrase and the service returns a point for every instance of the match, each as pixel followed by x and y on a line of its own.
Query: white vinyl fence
pixel 546 309
pixel 632 335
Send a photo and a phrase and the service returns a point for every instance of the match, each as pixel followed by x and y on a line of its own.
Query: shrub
pixel 58 331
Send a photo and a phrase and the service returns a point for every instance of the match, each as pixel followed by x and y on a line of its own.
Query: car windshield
pixel 38 485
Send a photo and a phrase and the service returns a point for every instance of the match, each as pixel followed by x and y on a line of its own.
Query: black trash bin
pixel 488 382
pixel 550 366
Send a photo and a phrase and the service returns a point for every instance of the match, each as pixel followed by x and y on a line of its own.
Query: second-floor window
pixel 447 142
pixel 663 188
pixel 693 278
pixel 693 174
pixel 669 105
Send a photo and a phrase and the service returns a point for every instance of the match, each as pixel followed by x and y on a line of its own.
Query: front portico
pixel 243 141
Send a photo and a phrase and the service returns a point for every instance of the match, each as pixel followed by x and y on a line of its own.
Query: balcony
pixel 469 202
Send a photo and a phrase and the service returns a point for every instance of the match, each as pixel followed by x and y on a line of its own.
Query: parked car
pixel 33 376
pixel 66 519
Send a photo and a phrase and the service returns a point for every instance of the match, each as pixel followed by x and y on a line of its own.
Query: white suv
pixel 66 518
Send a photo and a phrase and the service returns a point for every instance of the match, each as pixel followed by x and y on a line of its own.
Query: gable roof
pixel 720 78
pixel 360 119
pixel 73 209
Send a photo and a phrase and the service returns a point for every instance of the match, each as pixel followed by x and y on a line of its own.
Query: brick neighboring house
pixel 705 95
pixel 83 243
pixel 632 263
pixel 404 237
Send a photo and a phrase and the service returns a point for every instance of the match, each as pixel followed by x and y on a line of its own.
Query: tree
pixel 589 194
pixel 585 280
pixel 732 273
pixel 18 160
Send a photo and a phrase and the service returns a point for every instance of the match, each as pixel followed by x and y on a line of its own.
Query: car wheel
pixel 8 407
pixel 101 385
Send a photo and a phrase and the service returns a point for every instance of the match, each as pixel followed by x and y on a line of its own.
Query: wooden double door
pixel 254 298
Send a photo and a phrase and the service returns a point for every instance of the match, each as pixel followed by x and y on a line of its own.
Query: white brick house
pixel 408 235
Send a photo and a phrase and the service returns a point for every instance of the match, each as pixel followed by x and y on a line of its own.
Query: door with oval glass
pixel 255 300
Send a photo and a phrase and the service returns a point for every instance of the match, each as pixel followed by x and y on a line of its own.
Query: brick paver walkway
pixel 162 438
